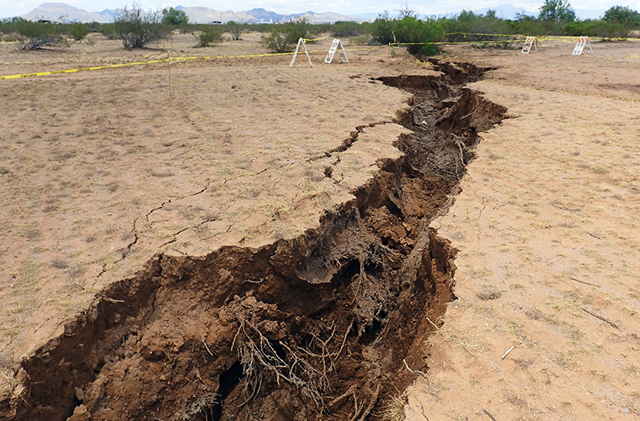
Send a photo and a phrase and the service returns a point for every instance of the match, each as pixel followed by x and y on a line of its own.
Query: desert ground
pixel 97 163
pixel 101 172
pixel 549 242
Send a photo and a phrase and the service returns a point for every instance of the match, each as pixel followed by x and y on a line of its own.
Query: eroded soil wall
pixel 310 328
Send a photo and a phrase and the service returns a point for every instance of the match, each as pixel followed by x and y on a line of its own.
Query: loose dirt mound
pixel 320 326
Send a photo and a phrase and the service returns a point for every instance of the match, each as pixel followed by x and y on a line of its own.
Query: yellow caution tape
pixel 315 39
pixel 82 69
pixel 491 35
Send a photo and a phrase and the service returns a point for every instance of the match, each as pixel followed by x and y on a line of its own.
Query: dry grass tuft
pixel 489 293
pixel 393 409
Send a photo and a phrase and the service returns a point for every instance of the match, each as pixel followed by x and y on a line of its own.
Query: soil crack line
pixel 178 199
pixel 177 233
pixel 348 142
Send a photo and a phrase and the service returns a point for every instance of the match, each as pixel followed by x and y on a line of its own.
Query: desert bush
pixel 343 29
pixel 35 35
pixel 557 11
pixel 361 40
pixel 78 31
pixel 109 31
pixel 277 41
pixel 8 26
pixel 209 36
pixel 174 17
pixel 469 22
pixel 382 29
pixel 236 30
pixel 298 29
pixel 556 17
pixel 427 50
pixel 94 27
pixel 623 16
pixel 598 28
pixel 136 28
pixel 282 38
pixel 419 34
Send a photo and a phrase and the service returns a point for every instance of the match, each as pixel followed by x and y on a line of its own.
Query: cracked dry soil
pixel 316 327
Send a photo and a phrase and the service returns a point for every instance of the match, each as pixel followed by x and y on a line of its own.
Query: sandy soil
pixel 101 170
pixel 550 247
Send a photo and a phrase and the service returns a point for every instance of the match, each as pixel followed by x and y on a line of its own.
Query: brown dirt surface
pixel 230 238
pixel 223 237
pixel 549 242
pixel 102 170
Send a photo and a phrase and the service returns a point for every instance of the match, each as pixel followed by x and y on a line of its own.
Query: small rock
pixel 80 413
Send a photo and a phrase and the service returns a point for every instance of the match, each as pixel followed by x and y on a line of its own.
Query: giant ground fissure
pixel 316 327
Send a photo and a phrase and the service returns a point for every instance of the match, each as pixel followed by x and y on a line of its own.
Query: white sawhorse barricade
pixel 332 52
pixel 530 44
pixel 580 46
pixel 300 42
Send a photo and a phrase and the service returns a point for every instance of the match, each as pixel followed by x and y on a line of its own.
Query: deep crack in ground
pixel 316 327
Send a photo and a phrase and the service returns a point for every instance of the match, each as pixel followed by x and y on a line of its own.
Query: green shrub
pixel 78 31
pixel 174 17
pixel 382 29
pixel 417 33
pixel 361 40
pixel 282 38
pixel 346 29
pixel 598 28
pixel 556 17
pixel 470 23
pixel 298 29
pixel 136 29
pixel 557 11
pixel 209 36
pixel 109 31
pixel 8 26
pixel 35 35
pixel 236 30
pixel 623 16
pixel 427 50
pixel 277 41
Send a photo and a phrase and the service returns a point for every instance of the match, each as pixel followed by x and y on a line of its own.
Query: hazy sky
pixel 431 7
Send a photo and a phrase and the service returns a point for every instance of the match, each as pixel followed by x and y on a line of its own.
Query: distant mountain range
pixel 65 13
pixel 205 15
